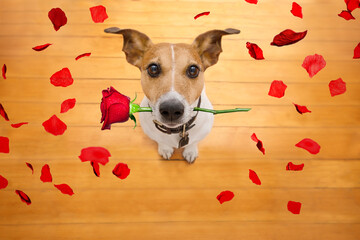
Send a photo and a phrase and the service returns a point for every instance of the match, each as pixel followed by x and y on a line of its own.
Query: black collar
pixel 179 129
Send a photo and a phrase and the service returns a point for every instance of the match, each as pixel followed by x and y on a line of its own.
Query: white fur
pixel 173 65
pixel 167 142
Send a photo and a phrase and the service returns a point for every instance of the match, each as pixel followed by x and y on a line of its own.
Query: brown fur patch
pixel 185 56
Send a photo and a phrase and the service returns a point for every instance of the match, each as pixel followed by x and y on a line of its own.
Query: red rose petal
pixel 62 78
pixel 294 207
pixel 201 14
pixel 95 154
pixel 301 109
pixel 4 145
pixel 225 196
pixel 82 55
pixel 255 51
pixel 41 47
pixel 57 17
pixel 293 167
pixel 23 197
pixel 45 174
pixel 3 182
pixel 3 113
pixel 4 69
pixel 254 177
pixel 288 37
pixel 346 15
pixel 17 125
pixel 357 51
pixel 277 89
pixel 252 1
pixel 309 145
pixel 337 87
pixel 296 10
pixel 313 64
pixel 98 14
pixel 30 166
pixel 55 126
pixel 352 4
pixel 121 170
pixel 96 168
pixel 67 105
pixel 259 143
pixel 65 189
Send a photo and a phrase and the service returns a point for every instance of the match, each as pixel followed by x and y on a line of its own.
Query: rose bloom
pixel 114 108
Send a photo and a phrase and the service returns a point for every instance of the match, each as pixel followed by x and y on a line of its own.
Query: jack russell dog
pixel 172 78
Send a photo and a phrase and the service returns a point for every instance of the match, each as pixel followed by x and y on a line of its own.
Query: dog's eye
pixel 153 70
pixel 192 71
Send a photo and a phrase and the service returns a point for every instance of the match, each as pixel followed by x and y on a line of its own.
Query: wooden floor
pixel 172 199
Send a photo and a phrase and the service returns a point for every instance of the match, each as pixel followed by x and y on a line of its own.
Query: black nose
pixel 171 110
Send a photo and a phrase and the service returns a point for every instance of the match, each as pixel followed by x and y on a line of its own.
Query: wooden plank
pixel 223 142
pixel 152 173
pixel 88 114
pixel 184 230
pixel 167 205
pixel 183 14
pixel 105 46
pixel 224 93
pixel 249 32
pixel 250 71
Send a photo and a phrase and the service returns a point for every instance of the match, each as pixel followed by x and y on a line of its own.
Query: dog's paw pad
pixel 165 152
pixel 190 154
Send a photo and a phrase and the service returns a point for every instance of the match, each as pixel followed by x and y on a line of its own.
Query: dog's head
pixel 172 75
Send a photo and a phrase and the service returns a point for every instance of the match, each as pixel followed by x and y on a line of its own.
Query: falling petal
pixel 67 105
pixel 3 182
pixel 254 177
pixel 17 125
pixel 288 37
pixel 337 87
pixel 31 167
pixel 62 78
pixel 23 197
pixel 98 14
pixel 82 55
pixel 277 89
pixel 294 207
pixel 309 145
pixel 301 109
pixel 57 17
pixel 121 170
pixel 45 174
pixel 3 113
pixel 95 154
pixel 54 126
pixel 225 196
pixel 201 14
pixel 41 47
pixel 65 189
pixel 293 167
pixel 296 10
pixel 4 145
pixel 313 64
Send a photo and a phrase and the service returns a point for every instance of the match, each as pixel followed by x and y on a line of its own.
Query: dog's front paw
pixel 165 151
pixel 190 153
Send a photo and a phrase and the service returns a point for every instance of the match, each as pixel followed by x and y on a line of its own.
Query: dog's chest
pixel 202 126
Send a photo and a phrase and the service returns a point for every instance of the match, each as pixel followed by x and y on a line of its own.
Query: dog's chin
pixel 172 124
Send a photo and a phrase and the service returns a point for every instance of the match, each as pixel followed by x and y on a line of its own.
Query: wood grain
pixel 170 199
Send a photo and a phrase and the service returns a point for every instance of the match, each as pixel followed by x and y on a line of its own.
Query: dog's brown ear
pixel 208 45
pixel 135 44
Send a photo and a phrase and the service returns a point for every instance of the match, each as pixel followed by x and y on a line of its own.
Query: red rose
pixel 114 107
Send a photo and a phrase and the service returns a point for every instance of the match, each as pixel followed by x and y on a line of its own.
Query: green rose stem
pixel 136 108
pixel 222 111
